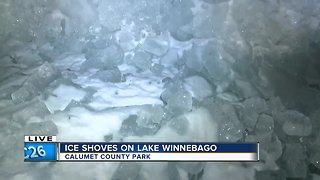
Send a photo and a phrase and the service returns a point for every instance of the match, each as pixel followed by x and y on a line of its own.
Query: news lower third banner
pixel 46 148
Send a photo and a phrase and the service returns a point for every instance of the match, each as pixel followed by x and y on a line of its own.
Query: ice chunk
pixel 193 58
pixel 127 170
pixel 62 96
pixel 109 75
pixel 264 126
pixel 180 124
pixel 178 99
pixel 41 128
pixel 230 130
pixel 202 125
pixel 295 157
pixel 141 60
pixel 271 148
pixel 170 58
pixel 178 20
pixel 130 127
pixel 245 88
pixel 126 40
pixel 157 46
pixel 5 92
pixel 229 127
pixel 183 33
pixel 209 21
pixel 37 82
pixel 198 87
pixel 156 68
pixel 274 147
pixel 276 106
pixel 136 90
pixel 107 58
pixel 296 124
pixel 150 116
pixel 257 104
pixel 35 108
pixel 252 108
pixel 267 162
pixel 22 94
pixel 215 64
pixel 112 55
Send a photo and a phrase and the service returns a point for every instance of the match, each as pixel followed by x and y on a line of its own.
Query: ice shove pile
pixel 171 70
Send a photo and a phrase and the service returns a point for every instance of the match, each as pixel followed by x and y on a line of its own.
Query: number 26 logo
pixel 35 152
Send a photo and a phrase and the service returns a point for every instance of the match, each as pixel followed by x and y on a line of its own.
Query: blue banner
pixel 148 147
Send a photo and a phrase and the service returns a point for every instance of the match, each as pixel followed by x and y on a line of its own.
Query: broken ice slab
pixel 156 68
pixel 112 55
pixel 267 162
pixel 6 103
pixel 130 127
pixel 178 99
pixel 275 106
pixel 109 75
pixel 41 128
pixel 230 131
pixel 229 128
pixel 170 58
pixel 35 108
pixel 252 108
pixel 155 45
pixel 296 123
pixel 198 87
pixel 178 20
pixel 126 40
pixel 150 116
pixel 180 124
pixel 257 104
pixel 36 83
pixel 193 58
pixel 107 58
pixel 210 20
pixel 22 94
pixel 179 14
pixel 215 62
pixel 61 97
pixel 5 92
pixel 141 60
pixel 139 89
pixel 295 161
pixel 264 126
pixel 183 33
pixel 270 144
